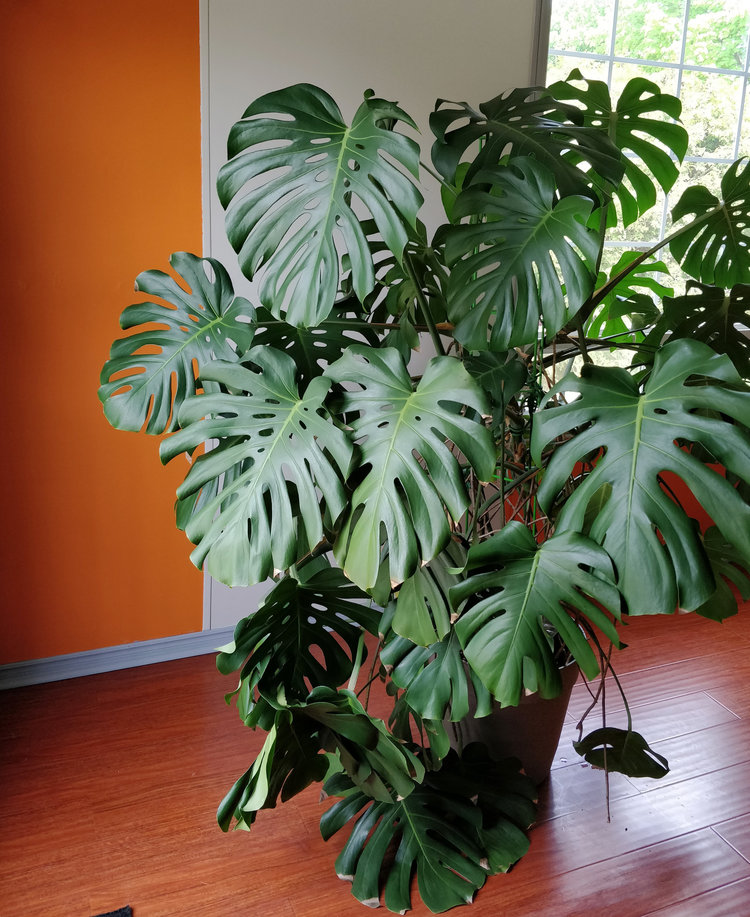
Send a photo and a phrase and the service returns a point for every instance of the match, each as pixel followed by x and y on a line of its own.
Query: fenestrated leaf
pixel 729 567
pixel 292 459
pixel 410 476
pixel 632 300
pixel 151 372
pixel 523 122
pixel 288 646
pixel 715 246
pixel 439 833
pixel 515 588
pixel 622 751
pixel 656 547
pixel 508 273
pixel 711 314
pixel 434 678
pixel 422 613
pixel 643 113
pixel 313 349
pixel 295 176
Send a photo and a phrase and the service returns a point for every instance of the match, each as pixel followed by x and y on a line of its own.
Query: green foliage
pixel 395 423
pixel 623 751
pixel 515 589
pixel 263 520
pixel 461 824
pixel 292 223
pixel 152 371
pixel 629 306
pixel 692 396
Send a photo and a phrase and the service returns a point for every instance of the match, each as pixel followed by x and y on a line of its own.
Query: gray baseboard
pixel 111 658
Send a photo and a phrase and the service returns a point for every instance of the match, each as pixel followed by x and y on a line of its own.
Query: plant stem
pixel 424 306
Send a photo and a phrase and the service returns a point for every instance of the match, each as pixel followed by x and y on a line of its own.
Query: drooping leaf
pixel 439 833
pixel 713 315
pixel 630 305
pixel 313 349
pixel 523 122
pixel 293 461
pixel 730 569
pixel 409 476
pixel 692 396
pixel 516 587
pixel 501 375
pixel 436 682
pixel 422 613
pixel 294 756
pixel 152 371
pixel 643 114
pixel 622 751
pixel 533 258
pixel 714 247
pixel 295 177
pixel 305 633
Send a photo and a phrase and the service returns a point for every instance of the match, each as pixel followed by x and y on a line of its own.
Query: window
pixel 697 50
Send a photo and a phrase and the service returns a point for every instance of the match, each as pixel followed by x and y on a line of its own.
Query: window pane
pixel 664 77
pixel 710 108
pixel 559 67
pixel 581 25
pixel 650 29
pixel 717 34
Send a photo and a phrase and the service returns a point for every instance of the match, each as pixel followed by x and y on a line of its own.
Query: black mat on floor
pixel 120 912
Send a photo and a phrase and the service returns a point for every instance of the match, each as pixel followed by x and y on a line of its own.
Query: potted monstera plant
pixel 467 521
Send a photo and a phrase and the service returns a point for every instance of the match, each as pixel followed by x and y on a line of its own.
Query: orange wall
pixel 101 173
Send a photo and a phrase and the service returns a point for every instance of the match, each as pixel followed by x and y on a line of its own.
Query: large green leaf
pixel 292 461
pixel 716 316
pixel 439 832
pixel 516 589
pixel 151 372
pixel 408 474
pixel 532 258
pixel 643 114
pixel 306 633
pixel 293 757
pixel 692 396
pixel 622 751
pixel 434 678
pixel 524 122
pixel 295 177
pixel 714 246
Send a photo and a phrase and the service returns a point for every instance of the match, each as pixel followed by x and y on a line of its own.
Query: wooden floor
pixel 110 785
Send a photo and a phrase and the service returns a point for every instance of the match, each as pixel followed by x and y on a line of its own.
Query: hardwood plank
pixel 729 901
pixel 632 884
pixel 737 833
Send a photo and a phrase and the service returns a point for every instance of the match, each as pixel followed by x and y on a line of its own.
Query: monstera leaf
pixel 292 757
pixel 629 306
pixel 151 372
pixel 291 458
pixel 711 314
pixel 295 177
pixel 288 644
pixel 731 573
pixel 623 751
pixel 713 247
pixel 692 396
pixel 508 272
pixel 422 610
pixel 409 476
pixel 517 588
pixel 524 122
pixel 643 114
pixel 434 678
pixel 313 349
pixel 439 833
